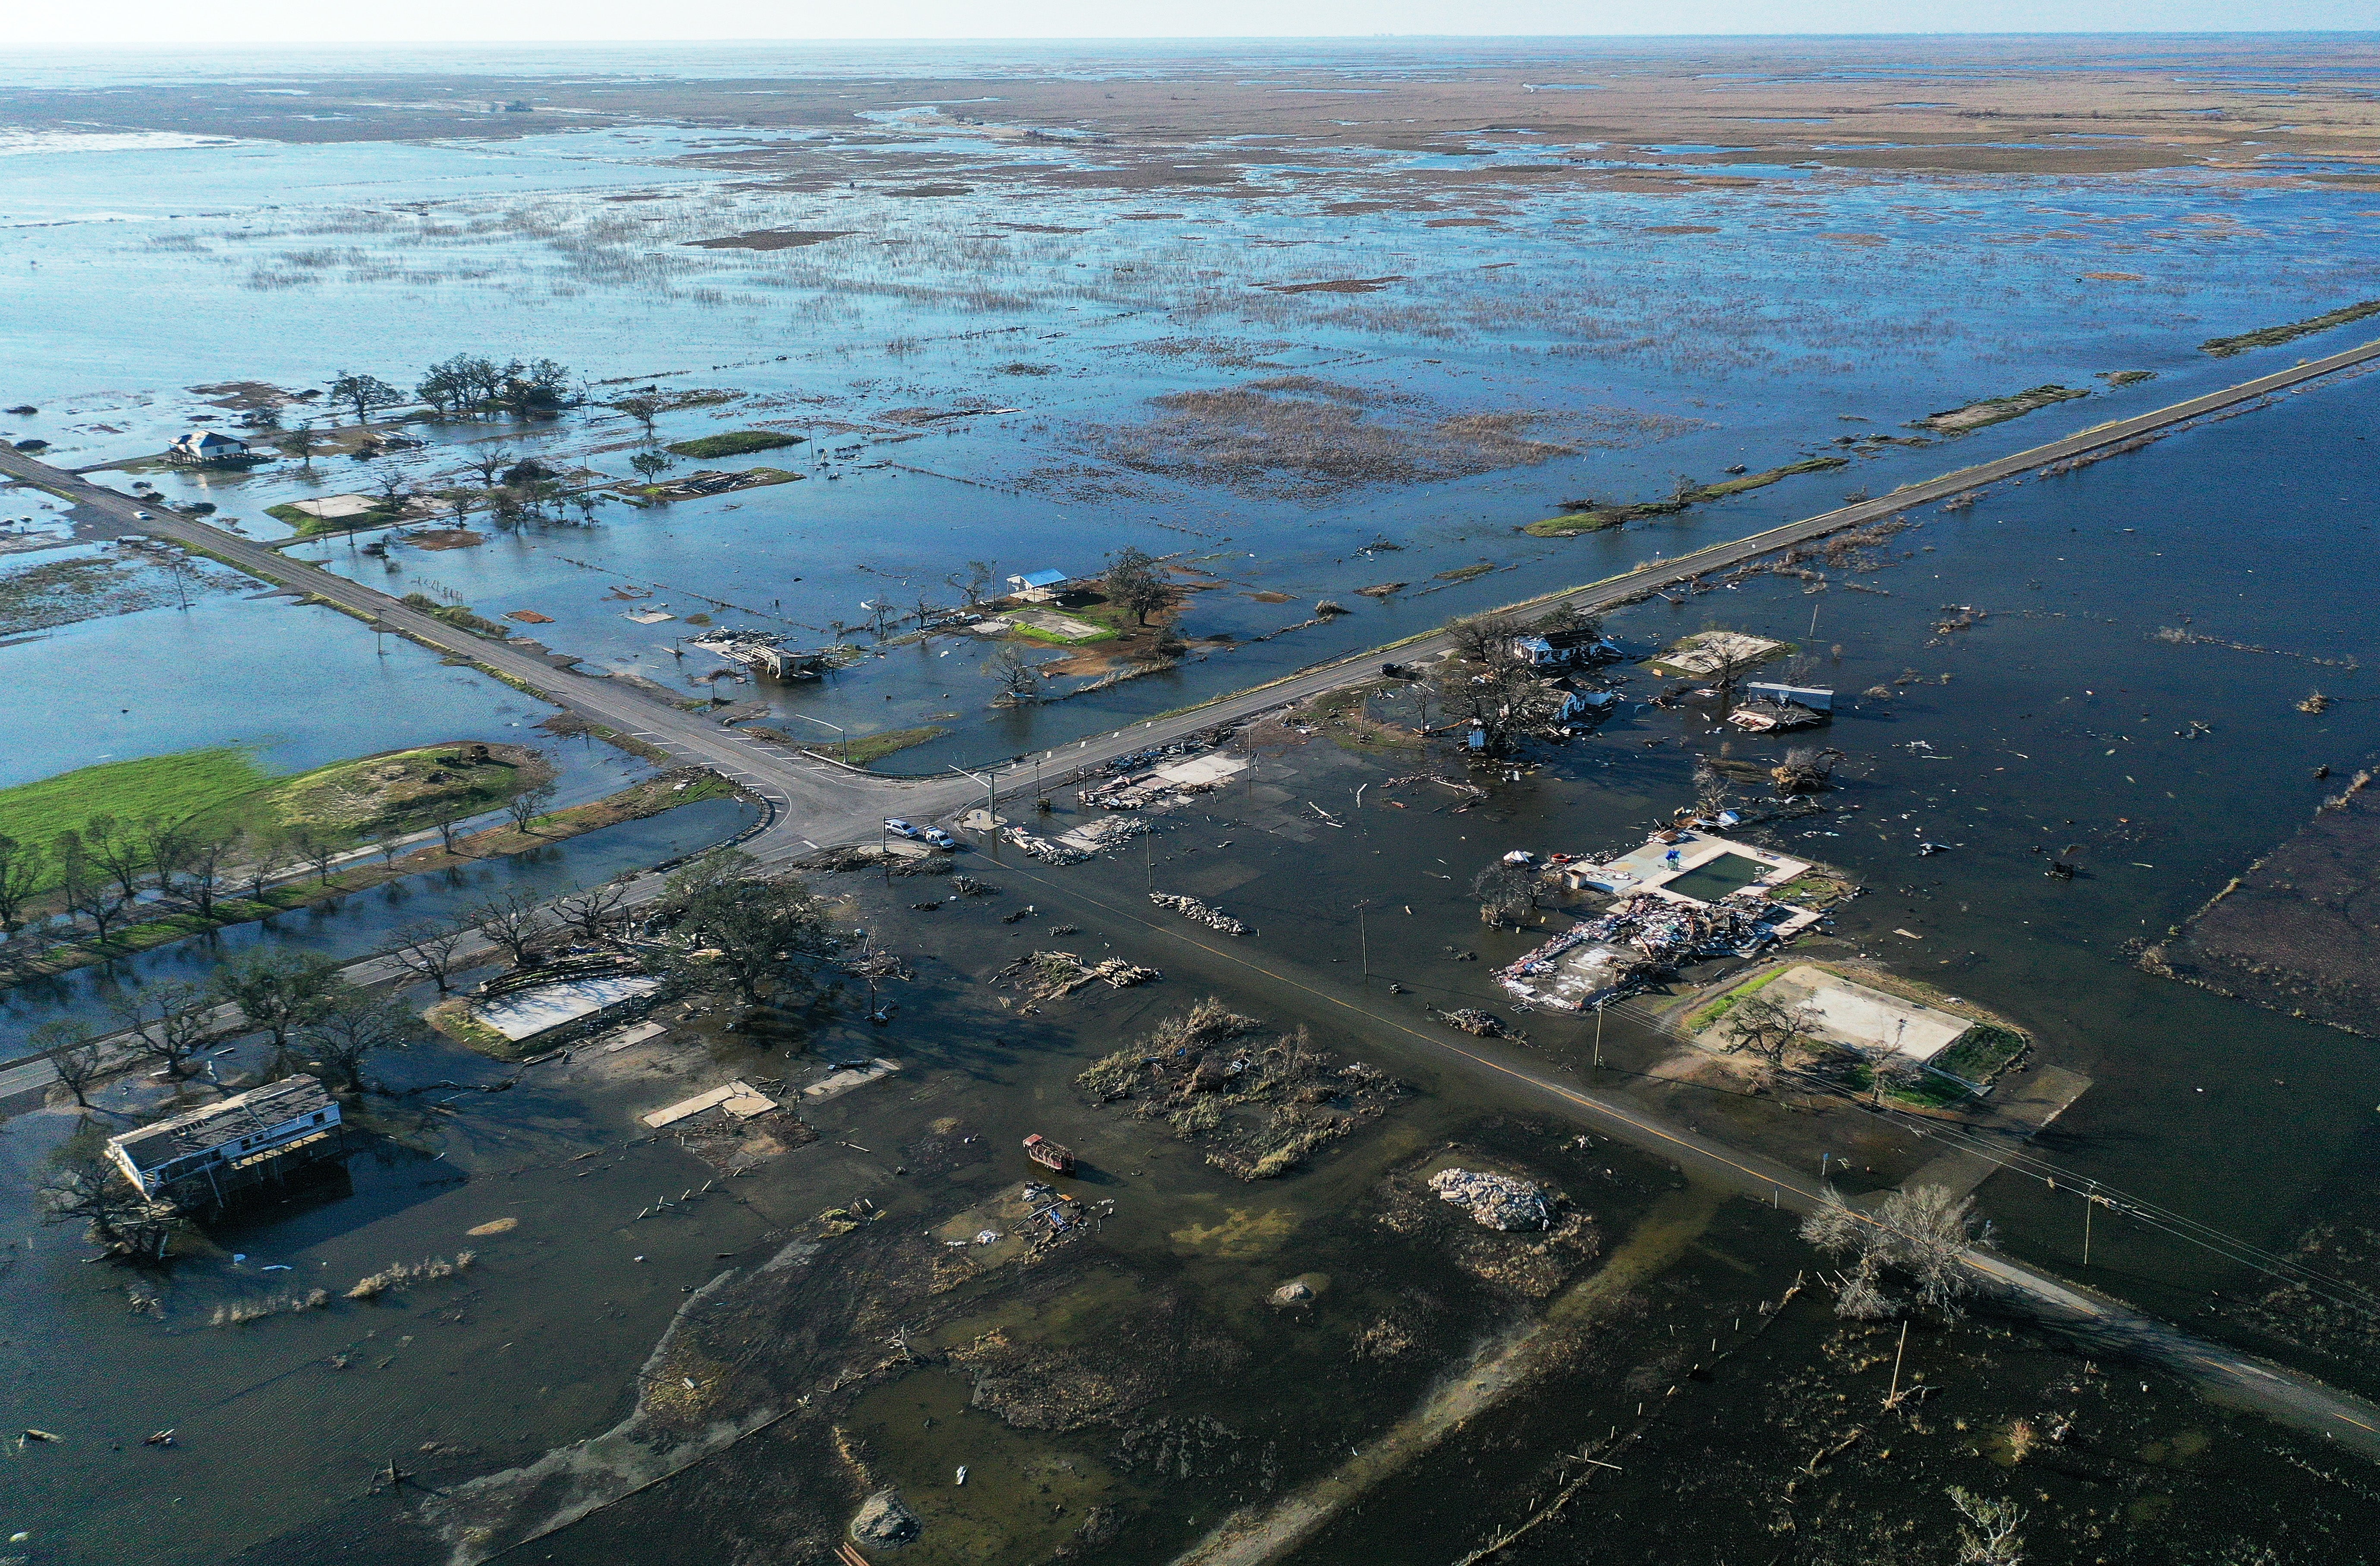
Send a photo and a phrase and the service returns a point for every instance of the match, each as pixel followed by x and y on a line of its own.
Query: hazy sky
pixel 140 22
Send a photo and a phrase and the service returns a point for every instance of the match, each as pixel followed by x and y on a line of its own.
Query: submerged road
pixel 821 804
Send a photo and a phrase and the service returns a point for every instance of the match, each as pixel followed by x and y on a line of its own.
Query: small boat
pixel 962 1479
pixel 1049 1155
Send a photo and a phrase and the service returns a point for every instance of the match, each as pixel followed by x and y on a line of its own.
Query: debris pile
pixel 1191 908
pixel 884 1522
pixel 1671 932
pixel 1480 1023
pixel 1494 1201
pixel 1053 853
pixel 1258 1108
pixel 1053 976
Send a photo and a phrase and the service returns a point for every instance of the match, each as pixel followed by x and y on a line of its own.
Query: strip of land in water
pixel 816 805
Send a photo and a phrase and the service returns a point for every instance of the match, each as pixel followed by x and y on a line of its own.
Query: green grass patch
pixel 734 443
pixel 1052 638
pixel 171 788
pixel 1983 1052
pixel 1718 1010
pixel 453 1017
pixel 309 526
pixel 2272 337
pixel 1588 518
pixel 868 749
pixel 222 789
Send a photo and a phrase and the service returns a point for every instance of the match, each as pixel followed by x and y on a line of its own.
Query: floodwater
pixel 368 921
pixel 1828 304
pixel 1645 337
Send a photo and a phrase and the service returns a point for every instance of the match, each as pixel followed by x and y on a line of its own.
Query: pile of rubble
pixel 1671 932
pixel 1053 976
pixel 1191 908
pixel 1480 1023
pixel 1494 1201
pixel 1045 850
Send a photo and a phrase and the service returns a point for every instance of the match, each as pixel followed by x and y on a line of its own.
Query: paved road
pixel 817 803
pixel 2284 1395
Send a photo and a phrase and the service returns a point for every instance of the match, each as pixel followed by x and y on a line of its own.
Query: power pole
pixel 1363 937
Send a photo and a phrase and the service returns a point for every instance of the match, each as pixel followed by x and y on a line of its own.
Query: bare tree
pixel 593 910
pixel 1507 893
pixel 488 464
pixel 1924 1232
pixel 1012 668
pixel 206 857
pixel 22 865
pixel 166 846
pixel 351 1026
pixel 515 922
pixel 85 890
pixel 1131 583
pixel 74 1052
pixel 644 408
pixel 1993 1540
pixel 117 850
pixel 83 1186
pixel 1759 1025
pixel 444 816
pixel 277 990
pixel 972 582
pixel 531 802
pixel 387 844
pixel 388 479
pixel 170 1021
pixel 1484 638
pixel 761 939
pixel 430 949
pixel 268 855
pixel 1731 660
pixel 317 848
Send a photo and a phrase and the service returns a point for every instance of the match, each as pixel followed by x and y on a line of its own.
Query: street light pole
pixel 838 728
pixel 1363 937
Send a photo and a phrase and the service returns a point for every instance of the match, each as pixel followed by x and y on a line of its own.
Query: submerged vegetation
pixel 735 443
pixel 2273 336
pixel 1592 515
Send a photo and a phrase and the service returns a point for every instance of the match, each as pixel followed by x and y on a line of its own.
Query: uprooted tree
pixel 1923 1234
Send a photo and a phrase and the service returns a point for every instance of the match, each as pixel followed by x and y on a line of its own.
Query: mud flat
pixel 2293 931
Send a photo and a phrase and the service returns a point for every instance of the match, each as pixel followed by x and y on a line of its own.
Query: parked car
pixel 936 837
pixel 900 828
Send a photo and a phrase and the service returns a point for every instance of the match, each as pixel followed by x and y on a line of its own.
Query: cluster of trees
pixel 466 384
pixel 313 1016
pixel 470 383
pixel 1486 683
pixel 100 871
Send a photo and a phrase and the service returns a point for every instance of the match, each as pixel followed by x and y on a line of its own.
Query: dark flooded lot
pixel 647 1358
